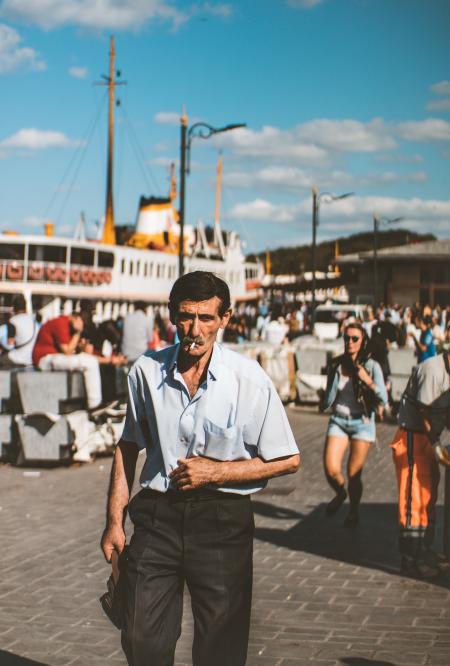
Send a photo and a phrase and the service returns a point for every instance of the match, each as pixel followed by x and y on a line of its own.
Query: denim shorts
pixel 353 428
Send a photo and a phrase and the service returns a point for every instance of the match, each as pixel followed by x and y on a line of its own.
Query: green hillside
pixel 297 260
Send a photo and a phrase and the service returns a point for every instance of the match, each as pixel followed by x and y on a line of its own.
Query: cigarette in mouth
pixel 192 346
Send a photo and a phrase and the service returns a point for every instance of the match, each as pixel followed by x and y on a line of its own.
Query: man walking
pixel 417 450
pixel 214 430
pixel 137 332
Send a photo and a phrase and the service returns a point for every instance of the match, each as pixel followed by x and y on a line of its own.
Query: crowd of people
pixel 421 327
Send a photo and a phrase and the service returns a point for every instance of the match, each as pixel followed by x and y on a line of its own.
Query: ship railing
pixel 54 273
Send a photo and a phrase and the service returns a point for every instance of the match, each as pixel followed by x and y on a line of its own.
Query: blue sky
pixel 350 95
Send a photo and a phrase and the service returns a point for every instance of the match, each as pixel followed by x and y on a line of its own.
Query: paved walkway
pixel 323 594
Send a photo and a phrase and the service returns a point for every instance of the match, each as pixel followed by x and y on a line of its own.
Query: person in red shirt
pixel 58 346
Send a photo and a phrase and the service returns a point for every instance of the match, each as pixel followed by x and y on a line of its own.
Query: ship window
pixel 12 251
pixel 145 269
pixel 82 256
pixel 163 270
pixel 158 270
pixel 150 270
pixel 131 267
pixel 122 266
pixel 138 267
pixel 106 260
pixel 56 253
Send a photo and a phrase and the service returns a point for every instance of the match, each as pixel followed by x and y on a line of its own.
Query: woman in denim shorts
pixel 355 391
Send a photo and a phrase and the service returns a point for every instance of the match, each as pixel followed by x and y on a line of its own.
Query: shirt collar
pixel 214 362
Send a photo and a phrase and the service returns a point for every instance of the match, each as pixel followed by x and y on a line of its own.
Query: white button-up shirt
pixel 236 414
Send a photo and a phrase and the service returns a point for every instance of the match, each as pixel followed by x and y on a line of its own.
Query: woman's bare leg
pixel 359 450
pixel 333 456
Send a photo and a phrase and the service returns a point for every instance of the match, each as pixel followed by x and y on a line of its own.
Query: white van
pixel 328 318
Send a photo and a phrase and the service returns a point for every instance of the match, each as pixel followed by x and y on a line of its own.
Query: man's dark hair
pixel 140 305
pixel 18 303
pixel 199 286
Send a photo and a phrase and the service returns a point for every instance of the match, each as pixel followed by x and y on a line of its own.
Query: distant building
pixel 406 274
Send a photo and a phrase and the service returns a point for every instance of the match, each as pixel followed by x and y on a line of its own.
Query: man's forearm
pixel 200 471
pixel 121 482
pixel 242 471
pixel 70 347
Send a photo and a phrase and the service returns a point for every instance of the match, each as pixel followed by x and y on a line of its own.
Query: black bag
pixel 113 601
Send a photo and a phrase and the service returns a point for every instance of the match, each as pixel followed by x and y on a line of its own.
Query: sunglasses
pixel 353 338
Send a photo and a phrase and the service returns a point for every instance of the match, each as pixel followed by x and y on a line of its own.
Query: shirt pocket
pixel 223 443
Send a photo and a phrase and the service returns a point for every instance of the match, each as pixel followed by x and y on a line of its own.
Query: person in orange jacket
pixel 417 451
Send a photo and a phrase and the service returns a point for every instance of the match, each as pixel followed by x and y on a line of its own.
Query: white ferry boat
pixel 55 273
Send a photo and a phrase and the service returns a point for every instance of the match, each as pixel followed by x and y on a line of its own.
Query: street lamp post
pixel 377 220
pixel 317 198
pixel 202 131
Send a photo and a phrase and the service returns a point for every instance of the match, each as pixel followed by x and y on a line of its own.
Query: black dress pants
pixel 203 538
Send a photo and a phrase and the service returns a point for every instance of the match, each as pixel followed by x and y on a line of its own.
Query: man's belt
pixel 196 495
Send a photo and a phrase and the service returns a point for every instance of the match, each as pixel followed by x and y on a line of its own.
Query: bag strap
pixel 24 344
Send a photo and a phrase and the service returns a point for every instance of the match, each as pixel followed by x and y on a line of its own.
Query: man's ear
pixel 226 318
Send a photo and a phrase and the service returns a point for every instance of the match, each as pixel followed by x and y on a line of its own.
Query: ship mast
pixel 217 229
pixel 109 231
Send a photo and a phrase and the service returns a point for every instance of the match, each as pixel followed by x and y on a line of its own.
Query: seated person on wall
pixel 59 347
pixel 26 330
pixel 7 341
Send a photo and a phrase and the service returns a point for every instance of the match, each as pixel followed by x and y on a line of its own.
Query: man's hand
pixel 195 472
pixel 113 539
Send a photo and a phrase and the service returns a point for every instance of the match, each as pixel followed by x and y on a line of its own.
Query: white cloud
pixel 348 135
pixel 399 158
pixel 220 9
pixel 108 14
pixel 431 129
pixel 271 142
pixel 292 179
pixel 35 139
pixel 354 213
pixel 286 178
pixel 304 4
pixel 439 105
pixel 167 118
pixel 33 222
pixel 97 14
pixel 418 177
pixel 262 210
pixel 441 88
pixel 13 55
pixel 78 72
pixel 317 142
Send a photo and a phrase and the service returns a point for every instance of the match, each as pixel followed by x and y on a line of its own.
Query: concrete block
pixel 41 438
pixel 309 387
pixel 50 391
pixel 6 435
pixel 311 361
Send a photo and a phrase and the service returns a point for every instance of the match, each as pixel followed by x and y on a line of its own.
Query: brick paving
pixel 323 594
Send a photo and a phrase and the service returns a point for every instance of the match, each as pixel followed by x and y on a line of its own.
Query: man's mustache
pixel 189 340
